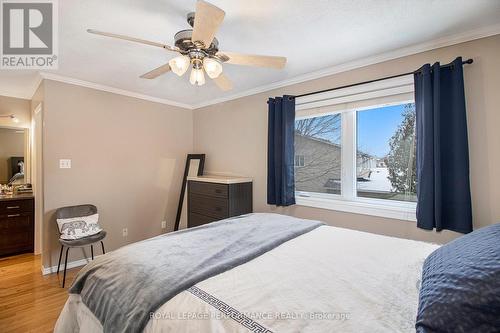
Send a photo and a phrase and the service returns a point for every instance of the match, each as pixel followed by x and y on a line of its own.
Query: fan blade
pixel 207 20
pixel 156 72
pixel 133 39
pixel 252 60
pixel 223 82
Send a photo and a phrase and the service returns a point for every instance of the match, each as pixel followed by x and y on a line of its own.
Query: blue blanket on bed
pixel 123 287
pixel 461 285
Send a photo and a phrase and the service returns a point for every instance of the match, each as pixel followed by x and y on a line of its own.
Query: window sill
pixel 394 210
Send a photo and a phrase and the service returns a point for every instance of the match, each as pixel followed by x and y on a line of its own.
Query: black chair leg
pixel 65 266
pixel 92 251
pixel 60 256
pixel 102 245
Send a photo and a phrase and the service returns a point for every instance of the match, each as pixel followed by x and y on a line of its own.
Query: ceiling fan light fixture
pixel 197 77
pixel 198 48
pixel 180 64
pixel 212 67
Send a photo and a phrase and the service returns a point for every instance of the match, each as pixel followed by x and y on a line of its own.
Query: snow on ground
pixel 378 181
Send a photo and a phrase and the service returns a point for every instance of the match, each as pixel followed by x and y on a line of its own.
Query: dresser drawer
pixel 209 206
pixel 196 220
pixel 16 233
pixel 10 207
pixel 211 189
pixel 19 222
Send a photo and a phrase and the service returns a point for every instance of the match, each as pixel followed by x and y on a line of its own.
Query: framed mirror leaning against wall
pixel 194 167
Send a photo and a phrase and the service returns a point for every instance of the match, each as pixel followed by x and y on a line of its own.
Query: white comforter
pixel 328 280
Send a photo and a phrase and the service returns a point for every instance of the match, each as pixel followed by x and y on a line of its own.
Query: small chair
pixel 71 212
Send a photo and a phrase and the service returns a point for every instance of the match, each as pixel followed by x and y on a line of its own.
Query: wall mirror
pixel 194 167
pixel 13 151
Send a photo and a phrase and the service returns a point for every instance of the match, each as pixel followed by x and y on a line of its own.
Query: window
pixel 299 160
pixel 356 149
pixel 385 161
pixel 318 139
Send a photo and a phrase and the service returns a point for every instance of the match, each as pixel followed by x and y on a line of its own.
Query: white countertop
pixel 221 179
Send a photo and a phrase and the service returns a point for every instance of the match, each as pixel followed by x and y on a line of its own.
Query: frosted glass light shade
pixel 197 77
pixel 212 67
pixel 180 64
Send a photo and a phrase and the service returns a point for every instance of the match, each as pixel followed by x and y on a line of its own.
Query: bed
pixel 321 279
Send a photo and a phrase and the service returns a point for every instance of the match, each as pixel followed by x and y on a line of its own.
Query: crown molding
pixel 14 94
pixel 101 87
pixel 36 83
pixel 382 57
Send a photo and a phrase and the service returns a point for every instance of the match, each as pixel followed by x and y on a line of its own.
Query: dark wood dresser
pixel 216 198
pixel 17 221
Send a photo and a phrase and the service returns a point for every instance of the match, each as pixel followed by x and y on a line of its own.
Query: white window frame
pixel 382 92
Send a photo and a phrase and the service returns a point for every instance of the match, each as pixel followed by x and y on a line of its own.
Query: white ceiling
pixel 312 34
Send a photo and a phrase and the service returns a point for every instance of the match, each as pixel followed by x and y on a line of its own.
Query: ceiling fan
pixel 199 49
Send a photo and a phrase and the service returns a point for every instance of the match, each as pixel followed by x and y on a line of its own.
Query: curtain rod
pixel 468 61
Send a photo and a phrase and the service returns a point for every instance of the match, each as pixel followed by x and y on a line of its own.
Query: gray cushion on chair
pixel 83 241
pixel 76 211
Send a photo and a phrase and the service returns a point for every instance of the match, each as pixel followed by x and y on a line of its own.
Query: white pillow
pixel 79 227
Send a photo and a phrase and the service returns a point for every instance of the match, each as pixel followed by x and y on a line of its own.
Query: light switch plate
pixel 65 164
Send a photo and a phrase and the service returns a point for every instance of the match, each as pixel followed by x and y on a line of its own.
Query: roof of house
pixel 327 142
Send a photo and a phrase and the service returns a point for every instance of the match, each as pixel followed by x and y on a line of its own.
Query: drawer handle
pixel 13 207
pixel 14 215
pixel 218 209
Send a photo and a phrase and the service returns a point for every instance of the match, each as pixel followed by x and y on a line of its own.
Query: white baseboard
pixel 71 264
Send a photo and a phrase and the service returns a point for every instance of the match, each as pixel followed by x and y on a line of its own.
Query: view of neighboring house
pixel 364 164
pixel 318 169
pixel 318 165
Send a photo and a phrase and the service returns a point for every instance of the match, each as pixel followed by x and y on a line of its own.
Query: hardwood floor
pixel 30 301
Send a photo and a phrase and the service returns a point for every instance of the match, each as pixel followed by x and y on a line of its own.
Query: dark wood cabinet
pixel 17 223
pixel 210 201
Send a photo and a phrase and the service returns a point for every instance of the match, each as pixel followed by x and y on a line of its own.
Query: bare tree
pixel 326 127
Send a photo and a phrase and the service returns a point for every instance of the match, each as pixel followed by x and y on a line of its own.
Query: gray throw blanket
pixel 123 287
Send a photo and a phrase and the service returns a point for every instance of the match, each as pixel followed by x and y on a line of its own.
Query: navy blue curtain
pixel 443 188
pixel 280 151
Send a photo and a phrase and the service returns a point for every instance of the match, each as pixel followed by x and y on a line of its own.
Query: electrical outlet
pixel 163 224
pixel 125 232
